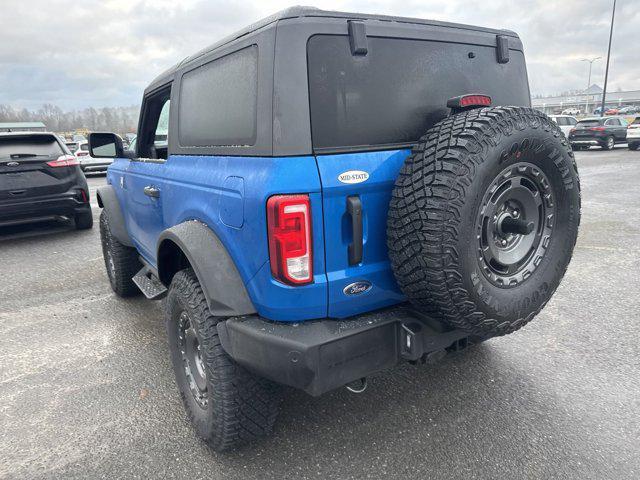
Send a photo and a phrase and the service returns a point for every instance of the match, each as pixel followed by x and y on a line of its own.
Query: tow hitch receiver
pixel 321 355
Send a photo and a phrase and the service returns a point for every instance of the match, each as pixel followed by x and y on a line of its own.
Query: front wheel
pixel 227 405
pixel 484 217
pixel 121 262
pixel 633 146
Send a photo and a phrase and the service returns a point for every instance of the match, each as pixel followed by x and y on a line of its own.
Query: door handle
pixel 354 208
pixel 151 191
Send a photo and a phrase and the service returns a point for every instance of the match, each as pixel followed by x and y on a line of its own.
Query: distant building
pixel 22 127
pixel 587 101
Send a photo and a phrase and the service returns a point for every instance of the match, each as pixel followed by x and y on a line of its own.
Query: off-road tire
pixel 431 229
pixel 84 220
pixel 241 407
pixel 121 262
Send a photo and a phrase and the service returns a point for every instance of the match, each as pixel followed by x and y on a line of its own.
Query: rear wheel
pixel 609 143
pixel 228 405
pixel 84 220
pixel 484 217
pixel 121 262
pixel 633 146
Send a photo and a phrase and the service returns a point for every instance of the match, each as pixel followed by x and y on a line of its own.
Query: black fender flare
pixel 219 278
pixel 108 201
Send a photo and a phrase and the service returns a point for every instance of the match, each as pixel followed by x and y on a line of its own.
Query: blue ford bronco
pixel 324 195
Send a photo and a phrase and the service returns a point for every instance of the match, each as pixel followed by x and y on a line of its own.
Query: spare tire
pixel 484 217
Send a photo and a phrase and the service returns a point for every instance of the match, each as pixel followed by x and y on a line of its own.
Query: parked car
pixel 599 131
pixel 629 110
pixel 72 146
pixel 565 122
pixel 39 180
pixel 633 134
pixel 88 164
pixel 132 144
pixel 597 111
pixel 316 215
pixel 611 111
pixel 571 111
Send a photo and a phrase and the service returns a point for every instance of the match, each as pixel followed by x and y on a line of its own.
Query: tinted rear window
pixel 400 88
pixel 589 123
pixel 36 145
pixel 218 101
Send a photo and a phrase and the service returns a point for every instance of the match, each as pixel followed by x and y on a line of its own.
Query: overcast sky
pixel 78 53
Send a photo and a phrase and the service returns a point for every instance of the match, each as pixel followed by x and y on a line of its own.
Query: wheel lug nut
pixel 504 242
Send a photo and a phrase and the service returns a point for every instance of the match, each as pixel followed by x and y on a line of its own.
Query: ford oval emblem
pixel 356 288
pixel 12 164
pixel 353 176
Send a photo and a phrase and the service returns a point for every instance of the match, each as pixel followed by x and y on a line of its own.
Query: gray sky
pixel 78 53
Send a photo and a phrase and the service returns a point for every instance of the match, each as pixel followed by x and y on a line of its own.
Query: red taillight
pixel 473 100
pixel 85 196
pixel 63 161
pixel 597 129
pixel 289 229
pixel 82 154
pixel 572 131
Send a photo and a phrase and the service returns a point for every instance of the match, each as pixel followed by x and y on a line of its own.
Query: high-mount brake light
pixel 289 231
pixel 63 161
pixel 472 100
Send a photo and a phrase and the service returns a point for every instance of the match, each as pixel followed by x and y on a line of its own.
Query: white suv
pixel 571 111
pixel 565 122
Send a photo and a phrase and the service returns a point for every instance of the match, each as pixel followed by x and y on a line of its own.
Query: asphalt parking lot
pixel 87 389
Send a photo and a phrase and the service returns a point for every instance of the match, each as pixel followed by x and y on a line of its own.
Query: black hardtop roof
pixel 302 11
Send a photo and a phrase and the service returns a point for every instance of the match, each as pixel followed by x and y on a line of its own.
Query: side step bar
pixel 149 284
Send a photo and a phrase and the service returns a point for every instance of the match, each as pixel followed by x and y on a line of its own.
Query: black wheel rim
pixel 514 224
pixel 193 360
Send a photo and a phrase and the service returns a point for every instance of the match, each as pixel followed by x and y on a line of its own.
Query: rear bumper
pixel 41 208
pixel 586 142
pixel 321 355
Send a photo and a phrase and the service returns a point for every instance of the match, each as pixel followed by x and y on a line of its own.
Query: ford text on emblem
pixel 356 288
pixel 12 164
pixel 353 176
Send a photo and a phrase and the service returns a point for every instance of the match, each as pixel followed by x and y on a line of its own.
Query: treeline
pixel 111 119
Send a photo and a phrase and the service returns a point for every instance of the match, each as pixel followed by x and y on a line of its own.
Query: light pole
pixel 606 71
pixel 590 60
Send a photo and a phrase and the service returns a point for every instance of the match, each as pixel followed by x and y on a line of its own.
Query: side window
pixel 160 139
pixel 613 122
pixel 153 139
pixel 571 121
pixel 562 121
pixel 218 102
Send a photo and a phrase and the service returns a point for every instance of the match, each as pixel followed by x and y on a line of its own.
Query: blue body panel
pixel 229 195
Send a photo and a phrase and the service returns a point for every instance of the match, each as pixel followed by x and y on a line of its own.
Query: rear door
pixel 366 112
pixel 24 172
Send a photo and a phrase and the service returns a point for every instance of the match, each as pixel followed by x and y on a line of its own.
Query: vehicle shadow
pixel 461 404
pixel 30 230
